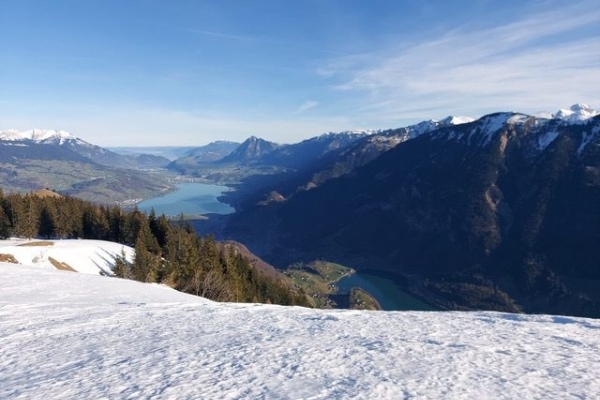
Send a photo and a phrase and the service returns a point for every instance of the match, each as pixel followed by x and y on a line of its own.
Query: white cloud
pixel 221 35
pixel 546 60
pixel 307 105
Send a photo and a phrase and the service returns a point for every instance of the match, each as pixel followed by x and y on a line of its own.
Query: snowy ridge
pixel 492 124
pixel 68 335
pixel 53 136
pixel 545 127
pixel 432 124
pixel 456 120
pixel 36 135
pixel 397 136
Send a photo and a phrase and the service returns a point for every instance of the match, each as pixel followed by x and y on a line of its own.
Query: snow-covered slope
pixel 68 335
pixel 96 257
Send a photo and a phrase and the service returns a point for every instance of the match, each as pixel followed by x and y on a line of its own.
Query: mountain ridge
pixel 97 154
pixel 474 209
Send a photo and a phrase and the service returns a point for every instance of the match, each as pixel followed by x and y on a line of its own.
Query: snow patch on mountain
pixel 486 127
pixel 427 126
pixel 587 138
pixel 43 136
pixel 456 120
pixel 546 138
pixel 67 335
pixel 36 135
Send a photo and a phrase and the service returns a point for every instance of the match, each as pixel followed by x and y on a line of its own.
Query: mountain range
pixel 97 154
pixel 37 158
pixel 498 213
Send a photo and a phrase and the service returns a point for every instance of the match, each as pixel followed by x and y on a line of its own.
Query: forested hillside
pixel 500 213
pixel 168 253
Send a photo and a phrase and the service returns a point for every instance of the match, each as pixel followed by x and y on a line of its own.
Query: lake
pixel 189 199
pixel 388 293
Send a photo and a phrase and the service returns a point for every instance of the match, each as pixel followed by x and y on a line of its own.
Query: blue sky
pixel 180 72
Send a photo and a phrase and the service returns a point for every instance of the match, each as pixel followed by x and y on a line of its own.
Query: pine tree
pixel 122 268
pixel 159 227
pixel 4 223
pixel 47 218
pixel 146 264
pixel 31 216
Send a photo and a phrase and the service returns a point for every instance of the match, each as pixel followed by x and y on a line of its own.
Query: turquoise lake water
pixel 388 294
pixel 199 198
pixel 189 199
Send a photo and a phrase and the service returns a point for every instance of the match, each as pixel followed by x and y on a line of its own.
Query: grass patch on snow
pixel 9 258
pixel 61 265
pixel 42 243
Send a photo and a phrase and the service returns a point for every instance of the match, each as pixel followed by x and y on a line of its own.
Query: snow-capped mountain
pixel 576 114
pixel 42 136
pixel 68 335
pixel 536 132
pixel 68 141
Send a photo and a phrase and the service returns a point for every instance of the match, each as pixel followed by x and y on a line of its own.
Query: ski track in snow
pixel 67 335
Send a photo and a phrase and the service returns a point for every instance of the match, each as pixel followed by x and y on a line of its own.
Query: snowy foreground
pixel 70 335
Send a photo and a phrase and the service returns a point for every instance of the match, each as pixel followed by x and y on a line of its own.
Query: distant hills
pixel 58 160
pixel 56 140
pixel 250 150
pixel 498 213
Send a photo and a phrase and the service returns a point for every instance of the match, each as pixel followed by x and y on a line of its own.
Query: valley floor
pixel 68 335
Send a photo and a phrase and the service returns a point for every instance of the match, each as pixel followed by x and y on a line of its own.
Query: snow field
pixel 86 256
pixel 67 335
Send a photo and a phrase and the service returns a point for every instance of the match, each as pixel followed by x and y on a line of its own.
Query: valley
pixel 319 200
pixel 470 215
pixel 456 214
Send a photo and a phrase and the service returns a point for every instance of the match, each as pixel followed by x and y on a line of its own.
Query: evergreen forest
pixel 165 252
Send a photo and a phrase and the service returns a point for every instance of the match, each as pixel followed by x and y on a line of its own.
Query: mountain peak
pixel 250 149
pixel 580 107
pixel 576 114
pixel 456 120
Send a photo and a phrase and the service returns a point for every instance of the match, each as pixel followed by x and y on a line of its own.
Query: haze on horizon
pixel 189 72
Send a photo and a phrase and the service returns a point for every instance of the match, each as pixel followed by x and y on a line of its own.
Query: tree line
pixel 165 252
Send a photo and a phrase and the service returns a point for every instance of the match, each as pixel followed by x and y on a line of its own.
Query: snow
pixel 587 138
pixel 86 256
pixel 67 335
pixel 577 114
pixel 456 120
pixel 36 135
pixel 484 131
pixel 546 138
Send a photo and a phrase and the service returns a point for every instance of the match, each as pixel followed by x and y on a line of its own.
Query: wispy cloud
pixel 307 105
pixel 221 35
pixel 132 126
pixel 542 60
